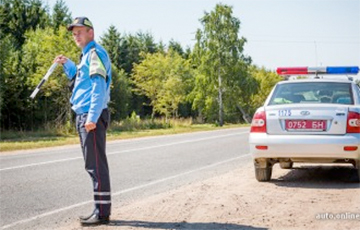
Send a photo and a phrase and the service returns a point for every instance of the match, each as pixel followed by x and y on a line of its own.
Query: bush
pixel 134 123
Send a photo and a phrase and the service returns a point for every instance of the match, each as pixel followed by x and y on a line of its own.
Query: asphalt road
pixel 44 188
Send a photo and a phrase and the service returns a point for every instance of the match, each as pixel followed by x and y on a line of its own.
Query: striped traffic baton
pixel 49 72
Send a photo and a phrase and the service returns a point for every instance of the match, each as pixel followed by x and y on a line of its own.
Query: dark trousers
pixel 93 146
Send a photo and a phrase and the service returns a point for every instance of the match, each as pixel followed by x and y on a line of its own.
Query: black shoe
pixel 88 216
pixel 95 219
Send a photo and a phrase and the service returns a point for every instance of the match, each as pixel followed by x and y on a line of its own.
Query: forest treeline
pixel 214 81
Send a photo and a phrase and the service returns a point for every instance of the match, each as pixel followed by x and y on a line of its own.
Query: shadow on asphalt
pixel 183 225
pixel 319 177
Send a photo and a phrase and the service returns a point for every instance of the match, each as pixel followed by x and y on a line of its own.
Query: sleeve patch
pixel 96 65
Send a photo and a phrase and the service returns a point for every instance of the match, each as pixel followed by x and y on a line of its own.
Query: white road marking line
pixel 179 175
pixel 59 149
pixel 124 191
pixel 122 151
pixel 40 163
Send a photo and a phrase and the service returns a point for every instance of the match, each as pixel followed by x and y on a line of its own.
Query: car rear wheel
pixel 286 165
pixel 263 174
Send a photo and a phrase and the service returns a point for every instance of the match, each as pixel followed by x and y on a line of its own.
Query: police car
pixel 309 120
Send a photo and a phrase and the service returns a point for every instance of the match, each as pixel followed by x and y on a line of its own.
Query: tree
pixel 120 89
pixel 52 102
pixel 164 79
pixel 20 61
pixel 131 48
pixel 61 15
pixel 120 94
pixel 10 84
pixel 265 81
pixel 221 66
pixel 112 42
pixel 176 46
pixel 18 16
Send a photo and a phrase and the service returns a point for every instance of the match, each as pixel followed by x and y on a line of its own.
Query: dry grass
pixel 12 141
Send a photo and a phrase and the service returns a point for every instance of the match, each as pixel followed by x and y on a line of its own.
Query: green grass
pixel 11 141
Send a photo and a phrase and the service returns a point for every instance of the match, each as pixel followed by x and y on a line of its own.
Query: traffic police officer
pixel 89 100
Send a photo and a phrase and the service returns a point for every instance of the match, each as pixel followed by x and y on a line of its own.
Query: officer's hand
pixel 60 59
pixel 90 126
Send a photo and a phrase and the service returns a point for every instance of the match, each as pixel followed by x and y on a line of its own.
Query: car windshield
pixel 312 92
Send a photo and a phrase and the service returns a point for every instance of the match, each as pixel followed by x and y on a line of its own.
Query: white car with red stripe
pixel 308 121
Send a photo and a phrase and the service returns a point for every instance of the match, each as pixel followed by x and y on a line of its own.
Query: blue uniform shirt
pixel 91 92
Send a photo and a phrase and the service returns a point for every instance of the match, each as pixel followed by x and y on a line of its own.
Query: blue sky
pixel 278 32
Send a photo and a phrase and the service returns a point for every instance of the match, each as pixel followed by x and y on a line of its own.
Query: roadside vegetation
pixel 154 83
pixel 129 128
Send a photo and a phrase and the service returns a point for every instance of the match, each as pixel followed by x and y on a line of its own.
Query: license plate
pixel 305 125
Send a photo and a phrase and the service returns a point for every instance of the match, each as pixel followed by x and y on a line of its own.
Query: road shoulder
pixel 302 198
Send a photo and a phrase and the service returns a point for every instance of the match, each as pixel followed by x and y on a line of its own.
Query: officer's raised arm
pixel 69 66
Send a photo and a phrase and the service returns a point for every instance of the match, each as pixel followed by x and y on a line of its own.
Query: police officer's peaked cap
pixel 80 21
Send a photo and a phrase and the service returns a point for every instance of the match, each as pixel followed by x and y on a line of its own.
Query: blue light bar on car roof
pixel 318 70
pixel 342 70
